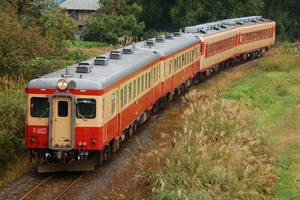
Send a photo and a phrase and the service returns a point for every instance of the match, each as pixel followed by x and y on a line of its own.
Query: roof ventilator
pixel 223 26
pixel 169 36
pixel 240 22
pixel 160 39
pixel 116 54
pixel 101 60
pixel 176 34
pixel 129 50
pixel 67 74
pixel 216 28
pixel 84 67
pixel 203 31
pixel 149 43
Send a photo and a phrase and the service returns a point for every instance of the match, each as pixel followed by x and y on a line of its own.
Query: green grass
pixel 276 93
pixel 79 43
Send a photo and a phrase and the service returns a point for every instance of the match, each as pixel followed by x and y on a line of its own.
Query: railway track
pixel 55 186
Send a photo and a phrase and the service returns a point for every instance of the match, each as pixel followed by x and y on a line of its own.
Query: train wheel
pixel 98 158
pixel 130 131
pixel 217 68
pixel 170 97
pixel 163 101
pixel 135 127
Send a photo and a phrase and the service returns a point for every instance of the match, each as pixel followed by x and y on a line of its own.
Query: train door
pixel 61 122
pixel 104 130
pixel 116 110
pixel 151 83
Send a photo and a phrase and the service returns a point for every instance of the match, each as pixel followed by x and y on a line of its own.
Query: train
pixel 76 117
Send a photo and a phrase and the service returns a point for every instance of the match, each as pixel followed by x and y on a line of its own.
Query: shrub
pixel 12 119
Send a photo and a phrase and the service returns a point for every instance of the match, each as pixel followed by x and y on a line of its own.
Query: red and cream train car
pixel 228 41
pixel 77 116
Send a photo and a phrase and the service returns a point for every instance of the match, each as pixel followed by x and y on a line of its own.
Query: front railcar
pixel 77 116
pixel 63 123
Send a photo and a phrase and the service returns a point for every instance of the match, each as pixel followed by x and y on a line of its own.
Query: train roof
pixel 97 77
pixel 132 58
pixel 206 29
pixel 168 44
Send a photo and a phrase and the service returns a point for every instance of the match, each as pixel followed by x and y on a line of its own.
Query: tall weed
pixel 12 119
pixel 219 155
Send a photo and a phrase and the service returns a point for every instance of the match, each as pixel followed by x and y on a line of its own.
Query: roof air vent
pixel 176 34
pixel 203 31
pixel 160 39
pixel 116 54
pixel 101 60
pixel 84 67
pixel 239 22
pixel 169 36
pixel 128 50
pixel 217 28
pixel 223 26
pixel 150 43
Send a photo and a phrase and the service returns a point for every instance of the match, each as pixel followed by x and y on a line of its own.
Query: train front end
pixel 62 130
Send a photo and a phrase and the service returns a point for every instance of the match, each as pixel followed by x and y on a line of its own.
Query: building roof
pixel 80 4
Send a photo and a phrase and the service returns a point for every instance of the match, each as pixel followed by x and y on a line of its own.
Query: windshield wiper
pixel 81 115
pixel 47 109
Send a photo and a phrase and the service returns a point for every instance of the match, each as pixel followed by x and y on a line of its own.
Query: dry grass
pixel 91 51
pixel 7 83
pixel 197 152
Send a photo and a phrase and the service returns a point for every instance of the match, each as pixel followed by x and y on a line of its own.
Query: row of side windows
pixel 135 88
pixel 257 35
pixel 221 45
pixel 183 60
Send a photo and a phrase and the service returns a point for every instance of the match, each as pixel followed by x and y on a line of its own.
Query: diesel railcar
pixel 77 116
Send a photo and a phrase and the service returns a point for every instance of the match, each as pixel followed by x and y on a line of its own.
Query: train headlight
pixel 62 84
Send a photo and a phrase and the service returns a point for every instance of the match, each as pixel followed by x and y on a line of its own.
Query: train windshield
pixel 39 107
pixel 86 108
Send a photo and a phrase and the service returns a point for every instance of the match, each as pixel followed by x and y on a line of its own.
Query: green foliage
pixel 12 120
pixel 79 43
pixel 77 56
pixel 116 24
pixel 187 13
pixel 275 85
pixel 156 15
pixel 285 62
pixel 58 26
pixel 18 45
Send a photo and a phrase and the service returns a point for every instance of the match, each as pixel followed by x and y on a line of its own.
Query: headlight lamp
pixel 62 84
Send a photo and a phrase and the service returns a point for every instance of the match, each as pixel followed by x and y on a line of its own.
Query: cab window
pixel 86 108
pixel 39 107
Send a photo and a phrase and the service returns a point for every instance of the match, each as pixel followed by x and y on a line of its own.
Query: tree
pixel 116 22
pixel 58 26
pixel 286 16
pixel 191 12
pixel 156 14
pixel 19 45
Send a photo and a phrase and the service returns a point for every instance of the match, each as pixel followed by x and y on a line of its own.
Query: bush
pixel 12 120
